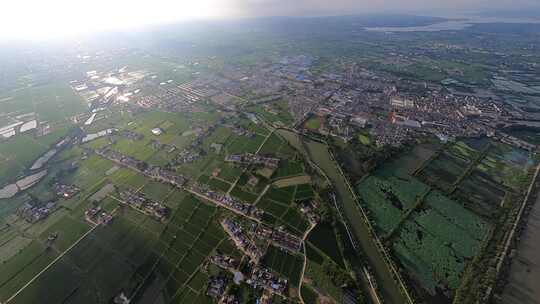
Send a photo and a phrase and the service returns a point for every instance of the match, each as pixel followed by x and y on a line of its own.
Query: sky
pixel 39 19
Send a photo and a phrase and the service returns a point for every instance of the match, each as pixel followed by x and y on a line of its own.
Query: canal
pixel 318 153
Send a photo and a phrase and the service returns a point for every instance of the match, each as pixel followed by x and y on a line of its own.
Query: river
pixel 319 154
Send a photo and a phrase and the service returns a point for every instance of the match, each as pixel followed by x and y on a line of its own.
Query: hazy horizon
pixel 60 18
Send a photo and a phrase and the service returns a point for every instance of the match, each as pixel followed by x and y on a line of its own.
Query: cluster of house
pixel 186 156
pixel 216 286
pixel 240 131
pixel 242 240
pixel 224 261
pixel 308 209
pixel 253 159
pixel 259 278
pixel 157 145
pixel 279 238
pixel 154 172
pixel 97 216
pixel 132 135
pixel 121 159
pixel 194 92
pixel 65 191
pixel 229 299
pixel 334 123
pixel 32 214
pixel 140 202
pixel 265 279
pixel 165 176
pixel 227 202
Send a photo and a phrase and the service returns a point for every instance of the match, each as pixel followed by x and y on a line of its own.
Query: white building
pixel 157 131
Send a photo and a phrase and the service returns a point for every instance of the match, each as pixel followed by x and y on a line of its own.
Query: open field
pixel 279 115
pixel 314 123
pixel 292 181
pixel 54 102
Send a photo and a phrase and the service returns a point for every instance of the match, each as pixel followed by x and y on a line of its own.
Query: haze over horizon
pixel 34 19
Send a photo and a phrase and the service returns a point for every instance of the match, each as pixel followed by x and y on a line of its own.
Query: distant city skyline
pixel 29 19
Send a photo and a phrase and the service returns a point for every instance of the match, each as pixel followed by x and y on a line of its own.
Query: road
pixel 304 238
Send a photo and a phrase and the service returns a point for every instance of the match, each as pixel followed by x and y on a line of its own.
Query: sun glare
pixel 39 19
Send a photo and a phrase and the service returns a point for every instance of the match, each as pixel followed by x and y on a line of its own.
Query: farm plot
pixel 304 192
pixel 324 238
pixel 289 266
pixel 322 281
pixel 105 262
pixel 288 168
pixel 445 170
pixel 54 102
pixel 278 116
pixel 292 181
pixel 241 144
pixel 218 184
pixel 17 154
pixel 276 209
pixel 437 239
pixel 465 150
pixel 229 172
pixel 506 165
pixel 436 242
pixel 189 238
pixel 427 258
pixel 280 205
pixel 295 221
pixel 278 147
pixel 481 194
pixel 156 191
pixel 388 194
pixel 220 136
pixel 470 223
pixel 53 293
pixel 20 268
pixel 141 150
pixel 242 195
pixel 67 231
pixel 283 195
